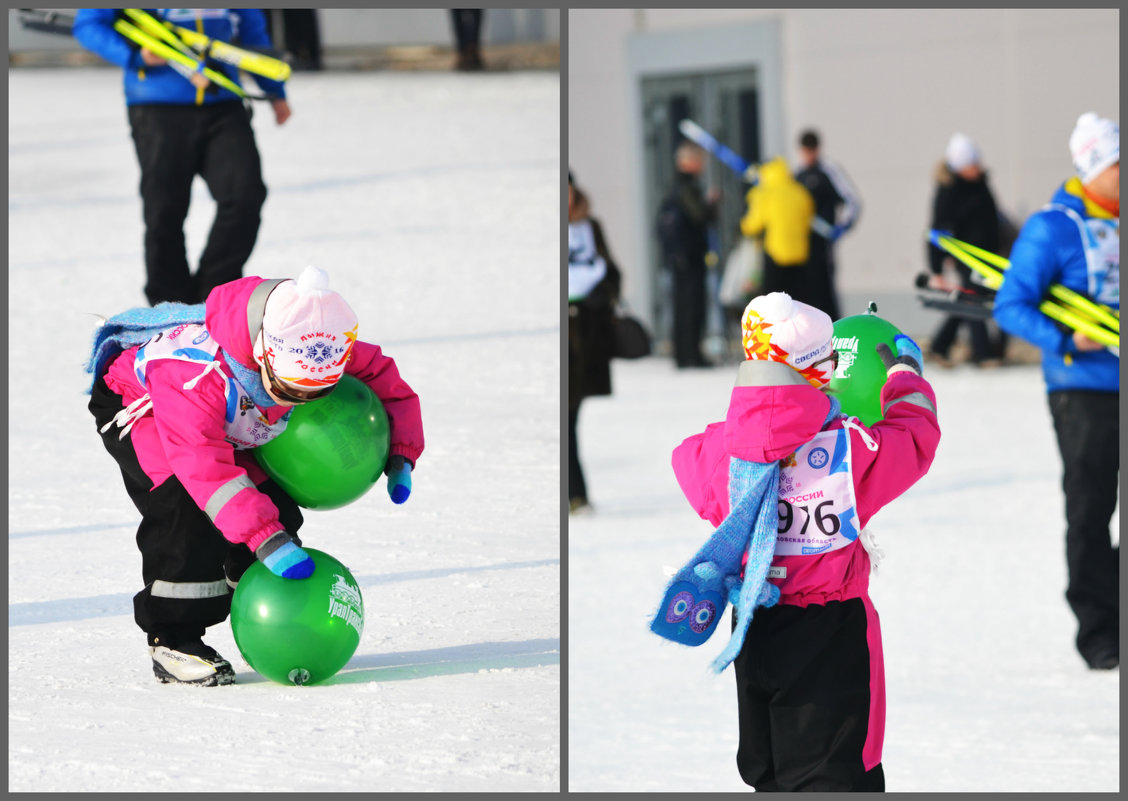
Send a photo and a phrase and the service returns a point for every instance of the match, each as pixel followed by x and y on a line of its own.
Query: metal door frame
pixel 750 46
pixel 714 101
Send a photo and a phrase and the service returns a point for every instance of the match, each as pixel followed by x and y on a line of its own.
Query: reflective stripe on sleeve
pixel 915 398
pixel 225 493
pixel 188 589
pixel 256 305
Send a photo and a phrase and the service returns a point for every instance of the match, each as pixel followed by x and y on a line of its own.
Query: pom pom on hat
pixel 308 331
pixel 1094 145
pixel 780 329
pixel 961 152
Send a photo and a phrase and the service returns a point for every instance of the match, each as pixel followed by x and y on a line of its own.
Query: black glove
pixel 908 355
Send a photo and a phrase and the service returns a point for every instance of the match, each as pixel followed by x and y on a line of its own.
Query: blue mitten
pixel 908 355
pixel 398 471
pixel 283 557
pixel 836 232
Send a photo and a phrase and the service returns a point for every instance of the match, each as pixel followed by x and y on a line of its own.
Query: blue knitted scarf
pixel 138 325
pixel 699 592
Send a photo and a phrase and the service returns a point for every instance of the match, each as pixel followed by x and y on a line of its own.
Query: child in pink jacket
pixel 790 483
pixel 180 395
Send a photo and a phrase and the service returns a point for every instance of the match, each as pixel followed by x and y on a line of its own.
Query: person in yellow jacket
pixel 780 209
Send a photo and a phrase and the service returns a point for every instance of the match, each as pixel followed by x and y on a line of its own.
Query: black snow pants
pixel 175 144
pixel 187 566
pixel 1088 434
pixel 804 682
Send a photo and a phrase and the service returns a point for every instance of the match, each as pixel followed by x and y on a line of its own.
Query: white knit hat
pixel 1094 145
pixel 308 331
pixel 961 152
pixel 780 329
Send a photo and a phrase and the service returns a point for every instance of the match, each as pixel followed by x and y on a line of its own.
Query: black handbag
pixel 632 340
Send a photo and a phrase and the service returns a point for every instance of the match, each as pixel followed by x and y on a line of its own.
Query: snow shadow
pixel 474 658
pixel 95 606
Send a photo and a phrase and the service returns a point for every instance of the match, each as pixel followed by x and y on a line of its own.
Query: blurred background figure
pixel 837 202
pixel 683 230
pixel 964 206
pixel 296 30
pixel 740 282
pixel 593 291
pixel 780 211
pixel 183 127
pixel 1075 241
pixel 467 23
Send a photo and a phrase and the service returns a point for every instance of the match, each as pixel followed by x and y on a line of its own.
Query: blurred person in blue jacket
pixel 183 127
pixel 1075 241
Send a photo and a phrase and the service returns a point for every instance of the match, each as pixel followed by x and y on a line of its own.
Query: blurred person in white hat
pixel 1075 241
pixel 181 395
pixel 963 205
pixel 789 482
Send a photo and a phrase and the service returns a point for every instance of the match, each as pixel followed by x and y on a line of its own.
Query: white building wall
pixel 885 88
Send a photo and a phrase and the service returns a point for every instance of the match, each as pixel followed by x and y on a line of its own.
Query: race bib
pixel 244 426
pixel 1104 261
pixel 816 497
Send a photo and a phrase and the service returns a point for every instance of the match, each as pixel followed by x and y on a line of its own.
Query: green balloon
pixel 298 631
pixel 333 449
pixel 860 375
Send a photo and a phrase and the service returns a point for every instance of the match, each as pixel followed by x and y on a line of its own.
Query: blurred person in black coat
pixel 683 230
pixel 837 203
pixel 965 207
pixel 593 291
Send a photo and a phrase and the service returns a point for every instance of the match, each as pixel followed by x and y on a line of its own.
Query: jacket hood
pixel 774 172
pixel 773 410
pixel 233 315
pixel 1072 194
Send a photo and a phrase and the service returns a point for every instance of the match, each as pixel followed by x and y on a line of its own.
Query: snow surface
pixel 985 690
pixel 433 202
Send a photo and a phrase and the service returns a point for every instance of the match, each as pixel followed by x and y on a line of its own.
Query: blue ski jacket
pixel 1081 252
pixel 245 27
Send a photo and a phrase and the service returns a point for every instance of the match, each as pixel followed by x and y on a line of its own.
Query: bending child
pixel 790 483
pixel 180 395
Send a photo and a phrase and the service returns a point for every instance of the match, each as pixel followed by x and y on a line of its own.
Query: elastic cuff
pixel 272 543
pixel 259 537
pixel 902 368
pixel 408 452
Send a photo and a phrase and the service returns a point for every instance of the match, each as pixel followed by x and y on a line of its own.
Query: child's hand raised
pixel 908 355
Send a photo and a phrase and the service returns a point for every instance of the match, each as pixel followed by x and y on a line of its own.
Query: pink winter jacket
pixel 183 434
pixel 768 421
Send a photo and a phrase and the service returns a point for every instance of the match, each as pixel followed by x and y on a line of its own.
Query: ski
pixel 176 57
pixel 153 27
pixel 1082 303
pixel 1052 307
pixel 735 162
pixel 196 46
pixel 206 47
pixel 35 19
pixel 952 303
pixel 960 302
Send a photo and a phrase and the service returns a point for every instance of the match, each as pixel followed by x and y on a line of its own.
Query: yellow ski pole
pixel 203 45
pixel 1054 310
pixel 168 53
pixel 1098 311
